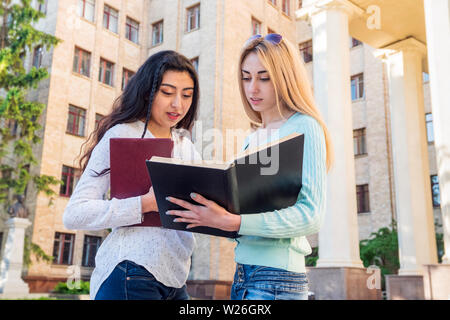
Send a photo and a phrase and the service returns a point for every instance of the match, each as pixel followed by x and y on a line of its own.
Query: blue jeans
pixel 266 283
pixel 129 281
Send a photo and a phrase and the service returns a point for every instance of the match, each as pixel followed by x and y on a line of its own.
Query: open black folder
pixel 259 180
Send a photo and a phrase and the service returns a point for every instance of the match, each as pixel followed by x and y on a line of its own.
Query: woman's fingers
pixel 181 203
pixel 202 200
pixel 182 214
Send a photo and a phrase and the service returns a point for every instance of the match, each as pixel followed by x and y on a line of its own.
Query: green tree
pixel 381 249
pixel 19 118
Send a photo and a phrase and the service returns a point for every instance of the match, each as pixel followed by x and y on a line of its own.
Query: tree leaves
pixel 19 118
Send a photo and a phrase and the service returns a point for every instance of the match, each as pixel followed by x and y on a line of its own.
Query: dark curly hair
pixel 135 103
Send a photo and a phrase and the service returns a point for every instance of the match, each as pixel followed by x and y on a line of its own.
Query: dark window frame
pixel 108 13
pixel 78 124
pixel 90 243
pixel 69 176
pixel 82 57
pixel 435 191
pixel 105 67
pixel 357 82
pixel 359 142
pixel 130 25
pixel 60 242
pixel 362 198
pixel 193 12
pixel 306 50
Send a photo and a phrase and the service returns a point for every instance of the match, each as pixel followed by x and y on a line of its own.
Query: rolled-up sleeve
pixel 88 208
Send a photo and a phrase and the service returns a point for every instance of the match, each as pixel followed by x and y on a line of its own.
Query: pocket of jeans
pixel 136 272
pixel 255 293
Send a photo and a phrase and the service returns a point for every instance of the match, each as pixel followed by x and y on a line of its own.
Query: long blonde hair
pixel 290 79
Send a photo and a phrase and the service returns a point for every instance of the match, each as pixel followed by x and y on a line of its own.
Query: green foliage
pixel 32 248
pixel 381 249
pixel 439 241
pixel 17 38
pixel 62 287
pixel 311 260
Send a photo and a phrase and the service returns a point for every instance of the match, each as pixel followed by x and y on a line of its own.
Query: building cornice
pixel 318 6
pixel 406 45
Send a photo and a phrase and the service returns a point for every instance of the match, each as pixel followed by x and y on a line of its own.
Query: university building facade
pixel 105 42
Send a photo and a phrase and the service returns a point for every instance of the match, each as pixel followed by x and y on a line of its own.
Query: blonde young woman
pixel 277 97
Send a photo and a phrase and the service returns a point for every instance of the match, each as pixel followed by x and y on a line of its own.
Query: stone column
pixel 338 237
pixel 437 21
pixel 11 283
pixel 339 273
pixel 415 222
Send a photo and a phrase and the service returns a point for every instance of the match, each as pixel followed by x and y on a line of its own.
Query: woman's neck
pixel 158 131
pixel 273 116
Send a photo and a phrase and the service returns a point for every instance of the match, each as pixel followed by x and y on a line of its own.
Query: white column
pixel 437 20
pixel 415 222
pixel 338 237
pixel 11 266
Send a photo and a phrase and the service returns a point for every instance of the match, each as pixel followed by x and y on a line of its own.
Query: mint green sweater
pixel 277 238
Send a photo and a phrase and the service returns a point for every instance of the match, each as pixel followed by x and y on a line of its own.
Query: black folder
pixel 265 179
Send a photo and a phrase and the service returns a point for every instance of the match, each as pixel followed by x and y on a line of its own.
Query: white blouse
pixel 165 253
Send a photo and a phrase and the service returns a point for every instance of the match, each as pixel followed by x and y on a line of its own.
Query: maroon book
pixel 129 174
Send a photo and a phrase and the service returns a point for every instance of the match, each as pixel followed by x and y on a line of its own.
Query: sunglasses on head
pixel 274 38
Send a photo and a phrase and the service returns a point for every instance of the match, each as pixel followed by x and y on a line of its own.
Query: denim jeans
pixel 129 281
pixel 266 283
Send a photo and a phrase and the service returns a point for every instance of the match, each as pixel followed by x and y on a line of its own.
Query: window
pixel 13 125
pixel 82 62
pixel 37 57
pixel 106 72
pixel 359 141
pixel 157 37
pixel 425 77
pixel 126 76
pixel 273 2
pixel 98 118
pixel 429 126
pixel 42 7
pixel 110 19
pixel 300 4
pixel 86 9
pixel 63 248
pixel 362 198
pixel 193 18
pixel 76 121
pixel 286 7
pixel 69 177
pixel 306 51
pixel 354 42
pixel 195 63
pixel 435 194
pixel 256 27
pixel 357 85
pixel 90 247
pixel 132 30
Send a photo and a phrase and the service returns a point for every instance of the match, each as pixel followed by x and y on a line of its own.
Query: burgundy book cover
pixel 129 174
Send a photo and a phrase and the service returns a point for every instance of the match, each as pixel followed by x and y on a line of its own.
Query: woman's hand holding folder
pixel 208 214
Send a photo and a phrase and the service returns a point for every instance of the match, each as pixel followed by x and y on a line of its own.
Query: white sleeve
pixel 87 208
